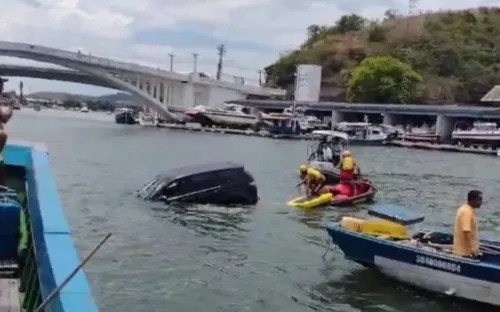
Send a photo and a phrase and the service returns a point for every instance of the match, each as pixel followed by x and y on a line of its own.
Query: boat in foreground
pixel 221 183
pixel 423 259
pixel 37 252
pixel 344 194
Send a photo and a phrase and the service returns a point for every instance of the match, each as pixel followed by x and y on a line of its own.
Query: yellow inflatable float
pixel 304 202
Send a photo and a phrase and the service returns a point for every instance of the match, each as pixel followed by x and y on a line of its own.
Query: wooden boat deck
pixel 9 295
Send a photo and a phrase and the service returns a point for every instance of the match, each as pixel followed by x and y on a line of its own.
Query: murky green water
pixel 216 259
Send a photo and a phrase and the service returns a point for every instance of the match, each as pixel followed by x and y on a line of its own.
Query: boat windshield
pixel 485 126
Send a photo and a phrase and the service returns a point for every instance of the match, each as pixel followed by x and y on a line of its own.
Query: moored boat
pixel 485 134
pixel 358 191
pixel 423 259
pixel 230 115
pixel 37 251
pixel 147 120
pixel 363 133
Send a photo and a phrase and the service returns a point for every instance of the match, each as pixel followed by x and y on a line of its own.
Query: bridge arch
pixel 35 53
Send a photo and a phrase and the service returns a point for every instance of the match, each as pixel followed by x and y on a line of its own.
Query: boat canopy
pixel 395 214
pixel 331 133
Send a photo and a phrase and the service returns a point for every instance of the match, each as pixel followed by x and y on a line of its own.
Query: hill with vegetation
pixel 442 57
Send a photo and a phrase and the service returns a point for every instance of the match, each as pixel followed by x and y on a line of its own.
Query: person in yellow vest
pixel 348 166
pixel 465 234
pixel 313 180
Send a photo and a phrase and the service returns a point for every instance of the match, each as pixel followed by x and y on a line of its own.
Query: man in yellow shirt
pixel 465 235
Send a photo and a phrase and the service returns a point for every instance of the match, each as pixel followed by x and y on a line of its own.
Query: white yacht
pixel 484 134
pixel 364 133
pixel 230 115
pixel 147 120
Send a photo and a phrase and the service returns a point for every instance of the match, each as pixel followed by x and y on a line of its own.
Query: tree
pixel 383 79
pixel 351 22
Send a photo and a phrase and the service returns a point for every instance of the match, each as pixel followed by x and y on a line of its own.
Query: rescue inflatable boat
pixel 349 193
pixel 361 191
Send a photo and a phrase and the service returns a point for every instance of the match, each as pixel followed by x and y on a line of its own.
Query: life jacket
pixel 348 163
pixel 314 174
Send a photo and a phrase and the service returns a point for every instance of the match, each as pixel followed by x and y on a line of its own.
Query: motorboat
pixel 337 142
pixel 84 109
pixel 364 133
pixel 125 116
pixel 221 183
pixel 485 134
pixel 147 120
pixel 359 191
pixel 292 122
pixel 423 259
pixel 230 115
pixel 421 134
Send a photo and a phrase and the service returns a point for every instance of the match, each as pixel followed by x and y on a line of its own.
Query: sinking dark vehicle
pixel 222 183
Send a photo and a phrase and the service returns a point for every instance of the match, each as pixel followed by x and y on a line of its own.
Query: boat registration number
pixel 439 264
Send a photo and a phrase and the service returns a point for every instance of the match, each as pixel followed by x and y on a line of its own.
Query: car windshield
pixel 150 189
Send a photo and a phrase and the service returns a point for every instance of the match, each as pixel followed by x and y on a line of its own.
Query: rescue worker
pixel 313 180
pixel 465 234
pixel 348 167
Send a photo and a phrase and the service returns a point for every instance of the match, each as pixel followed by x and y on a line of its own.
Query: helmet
pixel 346 153
pixel 302 168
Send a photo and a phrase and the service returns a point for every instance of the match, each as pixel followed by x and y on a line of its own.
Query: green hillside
pixel 445 57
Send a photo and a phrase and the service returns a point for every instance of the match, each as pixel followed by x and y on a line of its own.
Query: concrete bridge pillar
pixel 390 119
pixel 165 93
pixel 337 117
pixel 188 95
pixel 444 127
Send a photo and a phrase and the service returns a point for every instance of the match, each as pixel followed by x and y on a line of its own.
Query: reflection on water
pixel 218 222
pixel 368 290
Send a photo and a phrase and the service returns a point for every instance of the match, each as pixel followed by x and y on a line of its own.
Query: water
pixel 217 259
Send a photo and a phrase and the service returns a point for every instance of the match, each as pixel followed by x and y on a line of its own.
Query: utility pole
pixel 260 76
pixel 221 51
pixel 195 62
pixel 171 61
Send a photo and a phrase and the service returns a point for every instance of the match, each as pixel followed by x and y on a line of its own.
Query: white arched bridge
pixel 156 88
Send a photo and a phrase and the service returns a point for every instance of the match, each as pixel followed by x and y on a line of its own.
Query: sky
pixel 254 32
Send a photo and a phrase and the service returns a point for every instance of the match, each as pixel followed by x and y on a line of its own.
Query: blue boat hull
pixel 434 271
pixel 55 254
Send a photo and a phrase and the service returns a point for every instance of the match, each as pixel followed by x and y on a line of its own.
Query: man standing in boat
pixel 465 234
pixel 5 114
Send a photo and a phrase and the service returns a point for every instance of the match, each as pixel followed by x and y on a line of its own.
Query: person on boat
pixel 5 114
pixel 348 166
pixel 465 234
pixel 312 178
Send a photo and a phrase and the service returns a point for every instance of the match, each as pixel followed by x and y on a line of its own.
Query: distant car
pixel 221 183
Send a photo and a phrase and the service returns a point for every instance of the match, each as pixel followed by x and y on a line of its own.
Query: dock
pixel 443 147
pixel 192 127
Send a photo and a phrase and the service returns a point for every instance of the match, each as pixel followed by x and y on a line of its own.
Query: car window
pixel 226 175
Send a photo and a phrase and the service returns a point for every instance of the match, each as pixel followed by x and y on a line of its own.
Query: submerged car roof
pixel 200 168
